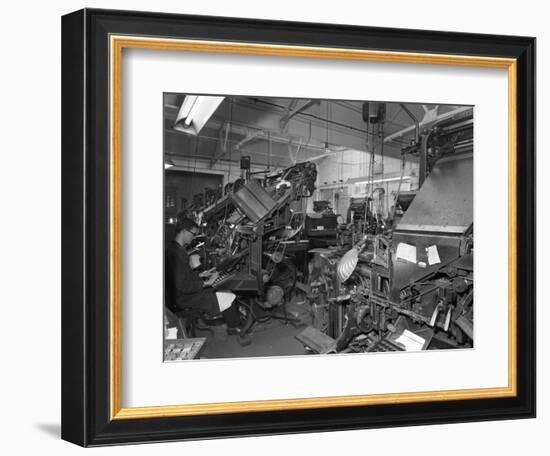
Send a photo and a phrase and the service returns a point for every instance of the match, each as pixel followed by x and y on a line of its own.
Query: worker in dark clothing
pixel 185 289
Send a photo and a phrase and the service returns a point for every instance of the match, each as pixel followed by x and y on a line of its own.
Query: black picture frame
pixel 86 357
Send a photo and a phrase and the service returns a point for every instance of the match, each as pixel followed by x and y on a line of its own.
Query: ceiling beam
pixel 428 119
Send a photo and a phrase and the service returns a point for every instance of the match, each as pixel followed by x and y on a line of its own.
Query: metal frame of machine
pixel 250 232
pixel 410 287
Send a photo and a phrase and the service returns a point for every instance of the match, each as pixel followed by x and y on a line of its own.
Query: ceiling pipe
pixel 426 122
pixel 317 121
pixel 227 128
pixel 283 123
pixel 244 131
pixel 288 110
pixel 249 137
pixel 221 147
pixel 222 139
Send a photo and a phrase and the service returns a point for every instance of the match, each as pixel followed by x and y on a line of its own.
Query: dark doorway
pixel 180 189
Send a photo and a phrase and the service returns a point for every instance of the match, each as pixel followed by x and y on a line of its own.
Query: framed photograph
pixel 268 227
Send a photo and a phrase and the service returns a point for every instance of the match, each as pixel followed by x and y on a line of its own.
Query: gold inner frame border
pixel 116 46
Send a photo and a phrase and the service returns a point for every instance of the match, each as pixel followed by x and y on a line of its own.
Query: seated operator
pixel 185 289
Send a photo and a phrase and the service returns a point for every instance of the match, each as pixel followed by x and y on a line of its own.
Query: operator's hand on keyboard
pixel 211 279
pixel 207 273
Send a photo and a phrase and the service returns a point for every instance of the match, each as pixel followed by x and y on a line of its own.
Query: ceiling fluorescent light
pixel 195 112
pixel 186 106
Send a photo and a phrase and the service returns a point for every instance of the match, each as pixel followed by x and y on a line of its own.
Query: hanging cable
pixel 398 188
pixel 269 151
pixel 381 142
pixel 197 141
pixel 371 165
pixel 341 170
pixel 326 124
pixel 373 159
pixel 300 146
pixel 229 139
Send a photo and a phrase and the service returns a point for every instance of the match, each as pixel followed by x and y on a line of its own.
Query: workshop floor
pixel 271 338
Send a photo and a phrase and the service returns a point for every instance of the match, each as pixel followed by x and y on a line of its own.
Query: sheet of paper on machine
pixel 406 252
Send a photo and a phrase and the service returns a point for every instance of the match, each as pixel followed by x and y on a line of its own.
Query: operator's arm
pixel 185 280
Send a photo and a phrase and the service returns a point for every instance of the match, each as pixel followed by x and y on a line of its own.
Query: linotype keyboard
pixel 235 281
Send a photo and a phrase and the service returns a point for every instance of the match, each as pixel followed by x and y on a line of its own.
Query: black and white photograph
pixel 316 226
pixel 248 228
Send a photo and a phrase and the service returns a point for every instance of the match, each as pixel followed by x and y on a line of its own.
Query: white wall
pixel 336 169
pixel 30 229
pixel 230 172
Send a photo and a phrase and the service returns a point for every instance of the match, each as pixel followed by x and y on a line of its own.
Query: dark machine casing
pixel 441 214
